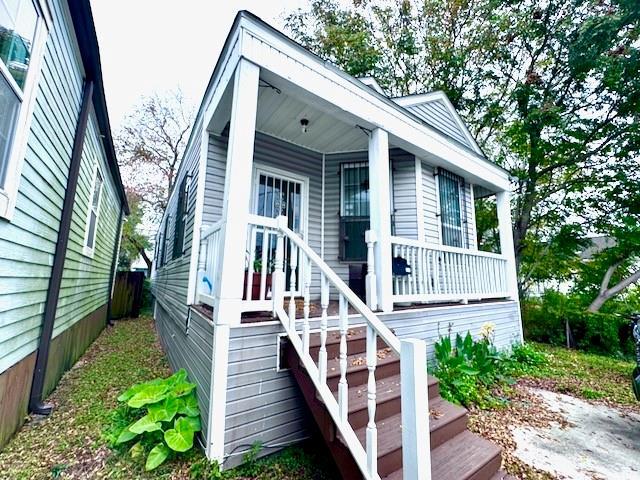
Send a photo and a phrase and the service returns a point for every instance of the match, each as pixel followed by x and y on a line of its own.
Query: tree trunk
pixel 606 293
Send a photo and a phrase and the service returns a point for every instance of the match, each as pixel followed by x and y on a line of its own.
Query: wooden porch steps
pixel 456 453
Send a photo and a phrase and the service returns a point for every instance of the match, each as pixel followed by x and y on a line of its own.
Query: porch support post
pixel 237 191
pixel 380 214
pixel 505 228
pixel 233 240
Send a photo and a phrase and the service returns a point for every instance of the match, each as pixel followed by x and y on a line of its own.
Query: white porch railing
pixel 442 273
pixel 208 262
pixel 412 353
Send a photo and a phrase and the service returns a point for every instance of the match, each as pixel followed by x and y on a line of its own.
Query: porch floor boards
pixel 315 310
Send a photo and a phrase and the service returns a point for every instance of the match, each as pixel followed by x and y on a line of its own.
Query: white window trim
pixel 185 214
pixel 17 151
pixel 86 250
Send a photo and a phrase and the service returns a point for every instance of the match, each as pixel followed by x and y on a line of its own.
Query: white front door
pixel 277 192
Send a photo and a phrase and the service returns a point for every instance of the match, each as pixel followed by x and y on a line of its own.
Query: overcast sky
pixel 157 45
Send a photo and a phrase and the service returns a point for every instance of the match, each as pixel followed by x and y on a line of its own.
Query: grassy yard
pixel 597 379
pixel 71 443
pixel 592 377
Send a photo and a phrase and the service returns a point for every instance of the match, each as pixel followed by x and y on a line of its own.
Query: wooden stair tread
pixel 502 475
pixel 387 389
pixel 358 362
pixel 464 457
pixel 389 434
pixel 333 336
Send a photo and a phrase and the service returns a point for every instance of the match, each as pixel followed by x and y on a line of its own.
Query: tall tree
pixel 134 243
pixel 150 146
pixel 550 89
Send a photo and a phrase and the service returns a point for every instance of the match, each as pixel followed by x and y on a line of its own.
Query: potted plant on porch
pixel 256 274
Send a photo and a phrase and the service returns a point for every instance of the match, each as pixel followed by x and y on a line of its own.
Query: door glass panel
pixel 277 196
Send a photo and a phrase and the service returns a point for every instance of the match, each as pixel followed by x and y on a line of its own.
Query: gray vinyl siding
pixel 469 218
pixel 28 241
pixel 275 153
pixel 189 348
pixel 404 195
pixel 431 223
pixel 432 323
pixel 262 404
pixel 265 405
pixel 438 115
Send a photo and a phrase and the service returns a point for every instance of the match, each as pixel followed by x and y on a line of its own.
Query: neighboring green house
pixel 61 199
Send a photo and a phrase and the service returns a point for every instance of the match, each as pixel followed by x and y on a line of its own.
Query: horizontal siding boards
pixel 432 323
pixel 469 217
pixel 437 114
pixel 27 242
pixel 189 349
pixel 85 280
pixel 171 281
pixel 216 171
pixel 430 209
pixel 272 152
pixel 404 201
pixel 430 205
pixel 404 195
pixel 262 404
pixel 265 405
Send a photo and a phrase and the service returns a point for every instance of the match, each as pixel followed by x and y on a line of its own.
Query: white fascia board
pixel 222 77
pixel 274 52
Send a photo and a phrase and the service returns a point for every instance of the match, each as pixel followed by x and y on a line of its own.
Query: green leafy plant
pixel 164 418
pixel 468 369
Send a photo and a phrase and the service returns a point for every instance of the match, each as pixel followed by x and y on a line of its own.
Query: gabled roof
pixel 435 109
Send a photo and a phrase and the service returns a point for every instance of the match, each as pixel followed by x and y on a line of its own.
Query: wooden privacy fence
pixel 127 295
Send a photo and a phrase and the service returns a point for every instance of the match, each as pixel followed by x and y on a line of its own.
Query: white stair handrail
pixel 412 354
pixel 381 329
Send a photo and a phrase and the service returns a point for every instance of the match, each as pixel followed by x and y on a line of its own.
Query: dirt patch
pixel 593 441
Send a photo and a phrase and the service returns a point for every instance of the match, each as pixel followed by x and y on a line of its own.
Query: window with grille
pixel 354 210
pixel 450 187
pixel 181 218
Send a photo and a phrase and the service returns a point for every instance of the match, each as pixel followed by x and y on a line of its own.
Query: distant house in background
pixel 596 245
pixel 61 199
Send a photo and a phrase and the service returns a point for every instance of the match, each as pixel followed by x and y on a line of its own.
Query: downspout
pixel 114 260
pixel 53 292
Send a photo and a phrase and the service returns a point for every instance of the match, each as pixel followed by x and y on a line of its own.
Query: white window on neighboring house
pixel 23 31
pixel 93 214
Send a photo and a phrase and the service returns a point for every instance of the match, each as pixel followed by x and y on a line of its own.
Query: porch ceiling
pixel 280 112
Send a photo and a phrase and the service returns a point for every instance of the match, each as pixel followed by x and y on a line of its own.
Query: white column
pixel 380 214
pixel 416 448
pixel 237 191
pixel 218 393
pixel 505 228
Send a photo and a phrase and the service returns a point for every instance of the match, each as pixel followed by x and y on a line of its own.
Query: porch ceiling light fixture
pixel 304 125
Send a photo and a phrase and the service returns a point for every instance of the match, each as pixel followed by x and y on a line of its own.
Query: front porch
pixel 366 203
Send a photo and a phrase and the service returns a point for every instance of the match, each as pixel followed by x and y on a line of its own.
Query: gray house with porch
pixel 320 238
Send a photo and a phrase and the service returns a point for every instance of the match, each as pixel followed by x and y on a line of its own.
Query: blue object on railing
pixel 208 282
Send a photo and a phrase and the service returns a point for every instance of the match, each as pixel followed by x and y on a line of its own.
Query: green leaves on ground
pixel 167 415
pixel 180 438
pixel 157 456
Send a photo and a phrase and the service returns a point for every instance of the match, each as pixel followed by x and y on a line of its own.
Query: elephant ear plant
pixel 166 416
